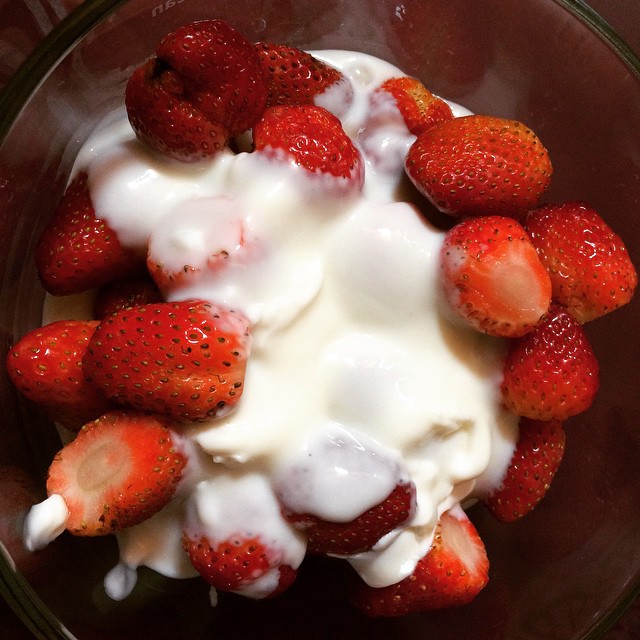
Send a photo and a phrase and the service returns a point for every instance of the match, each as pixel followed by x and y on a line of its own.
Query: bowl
pixel 564 572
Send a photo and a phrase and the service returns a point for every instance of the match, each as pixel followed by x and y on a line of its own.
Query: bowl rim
pixel 32 72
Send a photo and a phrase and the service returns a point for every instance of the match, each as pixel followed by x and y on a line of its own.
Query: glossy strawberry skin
pixel 480 165
pixel 361 534
pixel 124 293
pixel 451 574
pixel 551 373
pixel 77 250
pixel 591 271
pixel 418 106
pixel 119 471
pixel 535 461
pixel 184 360
pixel 45 365
pixel 492 276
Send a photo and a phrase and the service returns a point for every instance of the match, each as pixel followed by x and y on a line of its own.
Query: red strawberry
pixel 552 372
pixel 46 367
pixel 120 470
pixel 78 251
pixel 591 272
pixel 492 276
pixel 480 165
pixel 124 293
pixel 346 538
pixel 185 360
pixel 233 564
pixel 312 138
pixel 418 106
pixel 205 85
pixel 453 572
pixel 295 76
pixel 538 454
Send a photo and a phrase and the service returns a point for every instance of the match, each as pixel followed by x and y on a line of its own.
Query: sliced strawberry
pixel 78 251
pixel 312 138
pixel 185 360
pixel 46 367
pixel 591 272
pixel 453 572
pixel 346 538
pixel 295 76
pixel 237 562
pixel 552 372
pixel 480 165
pixel 534 463
pixel 492 276
pixel 418 106
pixel 120 470
pixel 124 293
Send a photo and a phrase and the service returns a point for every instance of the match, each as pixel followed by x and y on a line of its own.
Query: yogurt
pixel 357 378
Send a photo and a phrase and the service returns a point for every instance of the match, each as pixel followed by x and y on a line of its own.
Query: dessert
pixel 346 414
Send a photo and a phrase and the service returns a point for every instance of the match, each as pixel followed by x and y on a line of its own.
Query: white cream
pixel 351 354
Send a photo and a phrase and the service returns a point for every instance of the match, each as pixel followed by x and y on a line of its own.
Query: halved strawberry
pixel 123 293
pixel 552 372
pixel 591 271
pixel 295 76
pixel 492 276
pixel 205 85
pixel 237 562
pixel 185 360
pixel 418 106
pixel 453 572
pixel 77 250
pixel 534 463
pixel 46 366
pixel 312 138
pixel 346 538
pixel 120 470
pixel 480 165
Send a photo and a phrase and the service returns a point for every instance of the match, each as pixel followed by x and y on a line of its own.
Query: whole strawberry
pixel 77 250
pixel 492 276
pixel 591 271
pixel 453 572
pixel 185 360
pixel 360 534
pixel 46 366
pixel 120 470
pixel 551 373
pixel 534 463
pixel 312 138
pixel 480 165
pixel 418 106
pixel 205 85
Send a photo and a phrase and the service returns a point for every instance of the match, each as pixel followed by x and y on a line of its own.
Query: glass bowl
pixel 564 572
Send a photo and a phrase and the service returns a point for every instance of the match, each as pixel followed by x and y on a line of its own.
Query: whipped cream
pixel 357 380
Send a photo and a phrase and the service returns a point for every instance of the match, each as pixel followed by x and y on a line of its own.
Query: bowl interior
pixel 561 573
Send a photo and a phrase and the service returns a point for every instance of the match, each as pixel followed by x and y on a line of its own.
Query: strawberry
pixel 120 470
pixel 235 563
pixel 480 165
pixel 77 250
pixel 312 138
pixel 552 372
pixel 185 360
pixel 46 367
pixel 534 463
pixel 418 106
pixel 591 272
pixel 452 573
pixel 205 85
pixel 492 276
pixel 346 538
pixel 124 293
pixel 294 76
